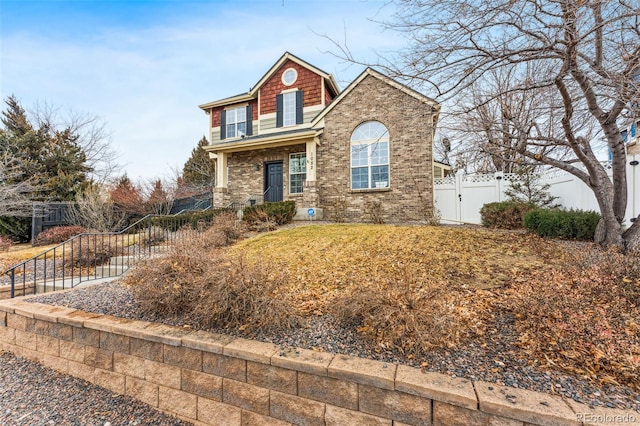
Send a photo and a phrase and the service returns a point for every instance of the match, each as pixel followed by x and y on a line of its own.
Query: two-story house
pixel 296 136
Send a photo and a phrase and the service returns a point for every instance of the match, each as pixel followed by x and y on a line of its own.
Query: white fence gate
pixel 459 198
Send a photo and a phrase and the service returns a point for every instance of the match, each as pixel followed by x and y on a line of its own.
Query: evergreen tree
pixel 50 158
pixel 199 171
pixel 47 160
pixel 158 201
pixel 528 188
pixel 127 198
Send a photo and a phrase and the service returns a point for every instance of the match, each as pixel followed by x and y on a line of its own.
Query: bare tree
pixel 94 209
pixel 585 55
pixel 92 137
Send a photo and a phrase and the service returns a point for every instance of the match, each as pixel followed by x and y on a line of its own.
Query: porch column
pixel 310 194
pixel 221 170
pixel 311 160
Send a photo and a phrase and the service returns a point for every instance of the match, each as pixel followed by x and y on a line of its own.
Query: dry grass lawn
pixel 323 260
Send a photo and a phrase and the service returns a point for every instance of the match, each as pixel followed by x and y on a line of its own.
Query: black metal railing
pixel 91 256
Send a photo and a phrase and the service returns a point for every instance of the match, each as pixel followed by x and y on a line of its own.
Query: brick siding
pixel 410 125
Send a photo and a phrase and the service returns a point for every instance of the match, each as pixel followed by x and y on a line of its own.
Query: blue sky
pixel 144 66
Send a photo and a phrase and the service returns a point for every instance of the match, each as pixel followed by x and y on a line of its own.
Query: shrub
pixel 5 243
pixel 191 219
pixel 583 319
pixel 92 250
pixel 152 236
pixel 199 283
pixel 57 235
pixel 228 227
pixel 406 313
pixel 505 214
pixel 339 209
pixel 374 212
pixel 280 213
pixel 567 224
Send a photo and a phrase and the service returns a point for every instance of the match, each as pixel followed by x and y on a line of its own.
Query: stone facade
pixel 410 125
pixel 245 180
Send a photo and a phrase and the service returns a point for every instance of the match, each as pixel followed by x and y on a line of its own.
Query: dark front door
pixel 273 181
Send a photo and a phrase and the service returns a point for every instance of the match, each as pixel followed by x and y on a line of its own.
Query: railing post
pixel 13 283
pixel 149 226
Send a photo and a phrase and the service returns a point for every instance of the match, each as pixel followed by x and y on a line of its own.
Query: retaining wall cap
pixel 7 305
pixel 104 323
pixel 51 313
pixel 603 415
pixel 251 350
pixel 166 334
pixel 25 309
pixel 134 328
pixel 206 341
pixel 440 387
pixel 76 318
pixel 127 327
pixel 364 371
pixel 305 360
pixel 527 406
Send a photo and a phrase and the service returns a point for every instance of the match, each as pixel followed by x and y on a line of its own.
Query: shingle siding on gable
pixel 409 122
pixel 309 82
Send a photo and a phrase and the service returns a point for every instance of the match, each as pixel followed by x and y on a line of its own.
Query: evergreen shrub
pixel 566 224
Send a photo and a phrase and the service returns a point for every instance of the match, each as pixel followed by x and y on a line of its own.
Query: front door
pixel 273 181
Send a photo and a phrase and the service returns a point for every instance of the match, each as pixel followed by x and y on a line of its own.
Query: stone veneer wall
pixel 410 125
pixel 212 379
pixel 244 179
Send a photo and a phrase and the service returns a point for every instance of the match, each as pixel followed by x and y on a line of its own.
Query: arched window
pixel 370 156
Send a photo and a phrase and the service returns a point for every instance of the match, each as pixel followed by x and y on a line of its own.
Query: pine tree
pixel 528 188
pixel 47 160
pixel 199 171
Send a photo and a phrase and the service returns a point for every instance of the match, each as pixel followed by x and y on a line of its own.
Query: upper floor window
pixel 236 122
pixel 370 156
pixel 289 108
pixel 289 76
pixel 297 172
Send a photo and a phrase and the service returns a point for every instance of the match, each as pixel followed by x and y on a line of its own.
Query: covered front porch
pixel 267 168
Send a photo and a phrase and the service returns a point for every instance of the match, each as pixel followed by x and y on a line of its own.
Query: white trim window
pixel 289 76
pixel 289 109
pixel 297 172
pixel 236 122
pixel 370 156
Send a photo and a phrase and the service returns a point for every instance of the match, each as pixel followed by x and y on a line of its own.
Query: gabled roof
pixel 371 72
pixel 291 57
pixel 243 97
pixel 331 84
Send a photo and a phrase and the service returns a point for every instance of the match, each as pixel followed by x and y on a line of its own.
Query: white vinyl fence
pixel 459 198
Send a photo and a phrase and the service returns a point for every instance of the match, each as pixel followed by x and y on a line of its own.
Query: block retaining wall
pixel 213 379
